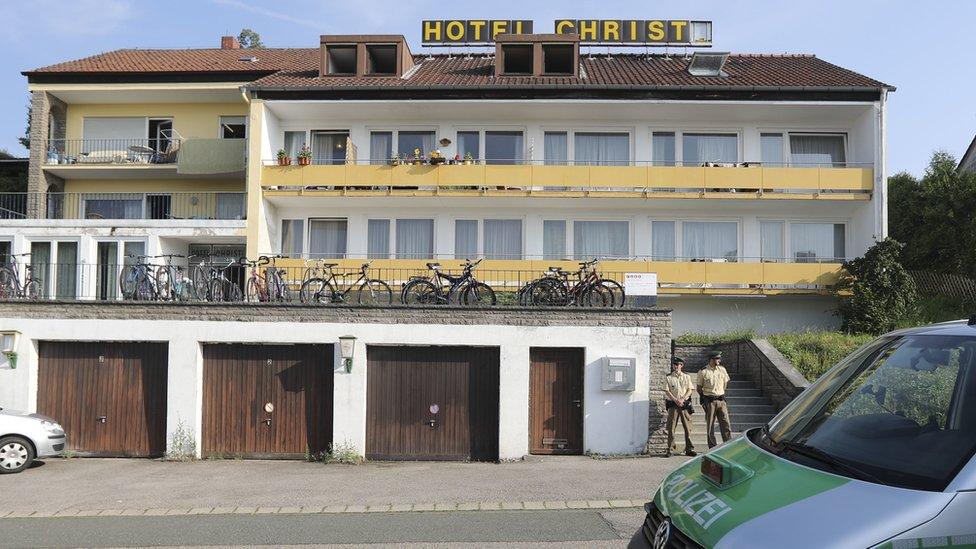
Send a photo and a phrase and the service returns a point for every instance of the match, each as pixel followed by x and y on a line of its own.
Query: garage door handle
pixel 102 419
pixel 578 403
pixel 268 421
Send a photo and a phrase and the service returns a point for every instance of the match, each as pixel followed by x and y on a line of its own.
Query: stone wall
pixel 44 107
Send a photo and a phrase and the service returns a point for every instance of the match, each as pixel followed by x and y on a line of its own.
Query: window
pixel 771 145
pixel 378 238
pixel 517 58
pixel 556 151
pixel 816 242
pixel 294 141
pixel 381 59
pixel 503 147
pixel 699 148
pixel 409 141
pixel 380 147
pixel 503 238
pixel 469 143
pixel 602 149
pixel 817 150
pixel 601 239
pixel 41 268
pixel 160 206
pixel 113 208
pixel 329 147
pixel 662 241
pixel 66 271
pixel 554 239
pixel 771 240
pixel 710 240
pixel 465 239
pixel 341 59
pixel 662 148
pixel 233 127
pixel 230 205
pixel 557 59
pixel 5 251
pixel 292 237
pixel 415 238
pixel 327 238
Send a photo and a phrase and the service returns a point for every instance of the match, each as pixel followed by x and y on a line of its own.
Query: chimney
pixel 229 43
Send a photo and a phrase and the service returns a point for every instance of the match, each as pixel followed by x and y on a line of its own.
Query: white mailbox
pixel 618 373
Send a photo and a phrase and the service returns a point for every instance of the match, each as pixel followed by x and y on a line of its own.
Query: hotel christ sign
pixel 609 32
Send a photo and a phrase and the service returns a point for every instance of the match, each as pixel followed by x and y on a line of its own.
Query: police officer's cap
pixel 714 354
pixel 677 360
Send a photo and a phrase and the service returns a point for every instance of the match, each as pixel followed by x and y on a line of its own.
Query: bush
pixel 881 292
pixel 813 353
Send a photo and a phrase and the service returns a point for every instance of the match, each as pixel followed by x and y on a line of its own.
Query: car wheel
pixel 16 454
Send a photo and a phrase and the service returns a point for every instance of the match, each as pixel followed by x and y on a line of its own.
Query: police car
pixel 877 453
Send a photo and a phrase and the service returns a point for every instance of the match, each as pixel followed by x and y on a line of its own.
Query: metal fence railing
pixel 162 205
pixel 112 151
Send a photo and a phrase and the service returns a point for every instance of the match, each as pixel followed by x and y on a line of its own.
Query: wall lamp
pixel 347 348
pixel 8 346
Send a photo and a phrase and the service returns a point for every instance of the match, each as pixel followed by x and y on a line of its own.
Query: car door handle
pixel 101 419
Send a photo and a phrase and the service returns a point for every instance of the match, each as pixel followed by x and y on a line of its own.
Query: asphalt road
pixel 581 528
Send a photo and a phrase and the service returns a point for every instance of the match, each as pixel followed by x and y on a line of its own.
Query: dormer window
pixel 341 59
pixel 558 58
pixel 517 59
pixel 537 55
pixel 381 59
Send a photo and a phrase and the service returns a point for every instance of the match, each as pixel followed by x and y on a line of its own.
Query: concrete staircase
pixel 747 407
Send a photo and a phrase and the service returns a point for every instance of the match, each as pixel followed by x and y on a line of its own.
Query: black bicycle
pixel 330 287
pixel 555 289
pixel 441 288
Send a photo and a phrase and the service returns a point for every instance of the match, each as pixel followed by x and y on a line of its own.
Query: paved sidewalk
pixel 125 487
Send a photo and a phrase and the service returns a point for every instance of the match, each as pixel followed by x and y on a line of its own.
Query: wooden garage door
pixel 436 403
pixel 264 401
pixel 109 396
pixel 556 401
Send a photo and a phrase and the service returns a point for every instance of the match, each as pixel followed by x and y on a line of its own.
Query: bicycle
pixel 10 285
pixel 554 289
pixel 221 288
pixel 442 288
pixel 136 281
pixel 324 288
pixel 268 287
pixel 172 284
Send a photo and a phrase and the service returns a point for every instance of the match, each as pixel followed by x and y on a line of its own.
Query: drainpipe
pixel 881 177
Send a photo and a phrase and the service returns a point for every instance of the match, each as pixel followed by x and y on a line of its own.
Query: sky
pixel 917 47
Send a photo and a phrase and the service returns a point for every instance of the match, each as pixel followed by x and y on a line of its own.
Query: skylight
pixel 708 64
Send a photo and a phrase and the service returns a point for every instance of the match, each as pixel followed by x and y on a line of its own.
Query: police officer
pixel 712 381
pixel 678 389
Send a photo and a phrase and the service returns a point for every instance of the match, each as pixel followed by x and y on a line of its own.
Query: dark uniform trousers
pixel 675 414
pixel 716 409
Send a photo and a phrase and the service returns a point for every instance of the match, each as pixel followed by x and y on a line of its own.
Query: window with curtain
pixel 816 242
pixel 719 148
pixel 114 208
pixel 292 237
pixel 107 275
pixel 771 149
pixel 710 240
pixel 329 147
pixel 601 239
pixel 293 144
pixel 503 238
pixel 327 238
pixel 469 143
pixel 556 147
pixel 662 148
pixel 414 238
pixel 504 148
pixel 601 149
pixel 41 267
pixel 378 238
pixel 771 240
pixel 409 141
pixel 230 205
pixel 66 271
pixel 554 239
pixel 465 239
pixel 380 147
pixel 817 150
pixel 662 241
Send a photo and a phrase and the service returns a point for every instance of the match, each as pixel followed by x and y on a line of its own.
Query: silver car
pixel 24 437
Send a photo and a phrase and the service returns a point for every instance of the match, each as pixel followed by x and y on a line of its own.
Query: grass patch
pixel 813 353
pixel 338 453
pixel 694 338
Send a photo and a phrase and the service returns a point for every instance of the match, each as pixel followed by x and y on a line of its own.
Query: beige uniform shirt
pixel 678 384
pixel 713 380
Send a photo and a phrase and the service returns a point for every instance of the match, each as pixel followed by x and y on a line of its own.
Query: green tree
pixel 250 39
pixel 877 291
pixel 25 140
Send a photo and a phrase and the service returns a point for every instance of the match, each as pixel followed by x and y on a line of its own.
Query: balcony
pixel 747 181
pixel 144 158
pixel 98 206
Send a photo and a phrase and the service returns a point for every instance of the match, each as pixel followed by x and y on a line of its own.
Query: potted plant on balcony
pixel 418 157
pixel 283 158
pixel 436 157
pixel 305 156
pixel 468 159
pixel 395 160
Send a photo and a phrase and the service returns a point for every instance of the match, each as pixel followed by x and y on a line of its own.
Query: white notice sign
pixel 640 284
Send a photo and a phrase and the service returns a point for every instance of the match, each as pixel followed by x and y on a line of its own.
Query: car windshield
pixel 899 411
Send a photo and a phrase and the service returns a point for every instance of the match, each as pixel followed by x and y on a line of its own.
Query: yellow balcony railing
pixel 752 182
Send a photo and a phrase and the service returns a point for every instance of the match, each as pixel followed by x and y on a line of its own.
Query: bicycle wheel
pixel 595 296
pixel 618 297
pixel 164 283
pixel 32 290
pixel 199 283
pixel 144 288
pixel 255 293
pixel 233 292
pixel 420 292
pixel 317 290
pixel 375 292
pixel 478 294
pixel 549 292
pixel 8 284
pixel 127 281
pixel 216 290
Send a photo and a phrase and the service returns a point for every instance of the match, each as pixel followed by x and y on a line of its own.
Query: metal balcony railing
pixel 135 152
pixel 162 205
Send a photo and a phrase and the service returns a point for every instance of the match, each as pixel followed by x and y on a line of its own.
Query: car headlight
pixel 52 427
